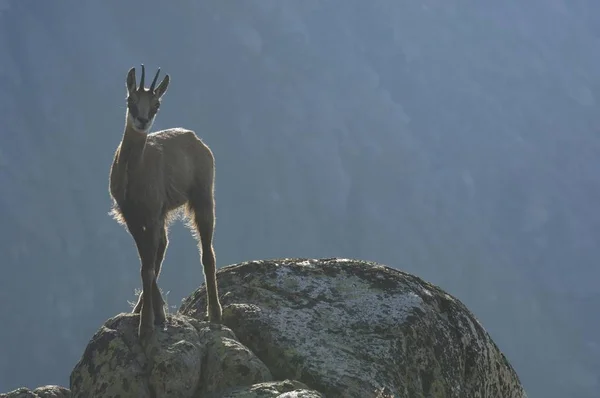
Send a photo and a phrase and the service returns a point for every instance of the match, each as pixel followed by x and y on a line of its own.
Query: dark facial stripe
pixel 133 110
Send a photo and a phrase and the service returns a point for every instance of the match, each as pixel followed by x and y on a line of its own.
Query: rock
pixel 40 392
pixel 302 328
pixel 230 364
pixel 276 389
pixel 358 329
pixel 188 358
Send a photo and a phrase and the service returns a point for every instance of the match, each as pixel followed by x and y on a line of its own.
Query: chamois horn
pixel 142 79
pixel 154 81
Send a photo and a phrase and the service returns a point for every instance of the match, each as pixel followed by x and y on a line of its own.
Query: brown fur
pixel 151 178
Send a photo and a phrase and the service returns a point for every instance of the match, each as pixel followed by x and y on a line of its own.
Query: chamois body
pixel 159 171
pixel 153 175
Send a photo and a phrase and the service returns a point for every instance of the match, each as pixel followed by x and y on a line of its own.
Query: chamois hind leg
pixel 203 205
pixel 158 302
pixel 147 239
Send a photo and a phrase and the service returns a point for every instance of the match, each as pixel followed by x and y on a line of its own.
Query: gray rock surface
pixel 357 329
pixel 186 359
pixel 40 392
pixel 300 328
pixel 275 389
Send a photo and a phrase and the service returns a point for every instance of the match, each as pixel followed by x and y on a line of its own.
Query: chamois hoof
pixel 160 318
pixel 145 332
pixel 146 326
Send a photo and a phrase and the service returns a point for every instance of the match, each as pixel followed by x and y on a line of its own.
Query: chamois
pixel 153 175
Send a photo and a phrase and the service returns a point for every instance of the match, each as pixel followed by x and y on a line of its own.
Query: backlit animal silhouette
pixel 153 175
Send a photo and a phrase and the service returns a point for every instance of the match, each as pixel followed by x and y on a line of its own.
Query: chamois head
pixel 143 104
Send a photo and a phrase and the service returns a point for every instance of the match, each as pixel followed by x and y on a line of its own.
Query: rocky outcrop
pixel 358 329
pixel 188 358
pixel 301 328
pixel 276 389
pixel 40 392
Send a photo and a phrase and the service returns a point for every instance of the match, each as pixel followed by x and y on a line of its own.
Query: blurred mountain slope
pixel 456 140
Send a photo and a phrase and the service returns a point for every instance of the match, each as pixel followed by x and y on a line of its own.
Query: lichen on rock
pixel 50 391
pixel 351 328
pixel 275 389
pixel 300 328
pixel 187 358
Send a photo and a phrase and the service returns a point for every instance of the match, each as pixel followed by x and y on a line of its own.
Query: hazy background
pixel 455 139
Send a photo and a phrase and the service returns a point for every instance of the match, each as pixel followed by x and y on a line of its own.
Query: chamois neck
pixel 133 143
pixel 133 135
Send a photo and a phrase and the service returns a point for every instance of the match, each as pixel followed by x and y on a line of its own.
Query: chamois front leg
pixel 158 303
pixel 147 240
pixel 146 325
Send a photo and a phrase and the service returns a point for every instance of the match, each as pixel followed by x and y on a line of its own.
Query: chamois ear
pixel 131 84
pixel 162 87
